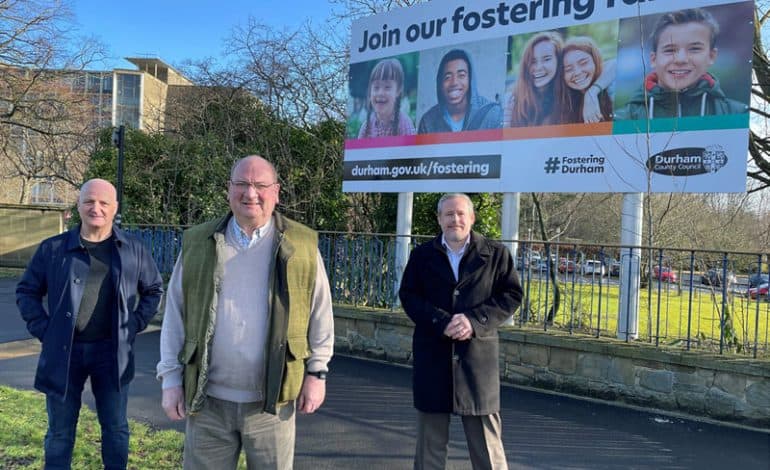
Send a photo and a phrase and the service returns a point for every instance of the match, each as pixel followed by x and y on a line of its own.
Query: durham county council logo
pixel 688 161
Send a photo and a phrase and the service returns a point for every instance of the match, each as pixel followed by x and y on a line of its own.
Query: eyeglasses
pixel 245 185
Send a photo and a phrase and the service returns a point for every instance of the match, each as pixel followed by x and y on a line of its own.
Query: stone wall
pixel 24 227
pixel 726 388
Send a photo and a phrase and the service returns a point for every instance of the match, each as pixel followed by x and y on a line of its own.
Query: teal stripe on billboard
pixel 696 123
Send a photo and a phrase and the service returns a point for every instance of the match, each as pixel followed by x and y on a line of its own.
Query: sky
pixel 178 30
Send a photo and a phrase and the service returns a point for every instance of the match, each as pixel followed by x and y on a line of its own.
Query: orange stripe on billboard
pixel 562 130
pixel 460 137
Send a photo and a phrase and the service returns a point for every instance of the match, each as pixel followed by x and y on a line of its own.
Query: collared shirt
pixel 455 256
pixel 240 237
pixel 320 329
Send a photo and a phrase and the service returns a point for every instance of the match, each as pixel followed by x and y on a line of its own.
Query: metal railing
pixel 165 243
pixel 688 299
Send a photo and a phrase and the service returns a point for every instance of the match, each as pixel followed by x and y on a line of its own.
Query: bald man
pixel 102 288
pixel 248 329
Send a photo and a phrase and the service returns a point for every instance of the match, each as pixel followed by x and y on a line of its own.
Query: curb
pixel 29 347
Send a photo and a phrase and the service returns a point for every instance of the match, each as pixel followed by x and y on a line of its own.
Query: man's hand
pixel 459 328
pixel 312 394
pixel 173 403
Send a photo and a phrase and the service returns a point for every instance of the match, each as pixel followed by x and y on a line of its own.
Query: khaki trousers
pixel 483 434
pixel 215 436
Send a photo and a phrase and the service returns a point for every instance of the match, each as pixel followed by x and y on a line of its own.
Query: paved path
pixel 12 327
pixel 367 421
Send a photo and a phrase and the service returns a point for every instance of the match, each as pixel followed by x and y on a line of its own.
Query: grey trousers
pixel 215 436
pixel 483 434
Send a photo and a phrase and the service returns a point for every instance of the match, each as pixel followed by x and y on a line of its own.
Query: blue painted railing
pixel 684 304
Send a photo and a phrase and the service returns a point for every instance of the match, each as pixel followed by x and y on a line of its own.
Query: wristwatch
pixel 321 374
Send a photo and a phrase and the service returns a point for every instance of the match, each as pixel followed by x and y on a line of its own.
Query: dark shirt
pixel 51 291
pixel 97 308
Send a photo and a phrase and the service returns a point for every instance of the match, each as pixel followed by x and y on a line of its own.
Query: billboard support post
pixel 630 263
pixel 510 222
pixel 510 227
pixel 403 232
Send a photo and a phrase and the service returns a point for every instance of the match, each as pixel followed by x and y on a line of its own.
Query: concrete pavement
pixel 367 421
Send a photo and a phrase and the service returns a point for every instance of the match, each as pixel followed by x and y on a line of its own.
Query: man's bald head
pixel 97 206
pixel 253 192
pixel 99 183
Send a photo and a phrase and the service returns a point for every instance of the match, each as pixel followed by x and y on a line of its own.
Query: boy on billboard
pixel 460 107
pixel 683 48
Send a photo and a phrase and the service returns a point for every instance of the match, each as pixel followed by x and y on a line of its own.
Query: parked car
pixel 543 266
pixel 713 277
pixel 760 291
pixel 566 266
pixel 757 279
pixel 528 259
pixel 615 268
pixel 593 267
pixel 665 274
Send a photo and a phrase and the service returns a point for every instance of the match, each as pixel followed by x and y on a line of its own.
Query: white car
pixel 530 259
pixel 593 267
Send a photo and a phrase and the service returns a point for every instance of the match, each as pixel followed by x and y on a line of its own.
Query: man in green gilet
pixel 248 329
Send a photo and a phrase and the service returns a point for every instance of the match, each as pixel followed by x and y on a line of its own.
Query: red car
pixel 665 275
pixel 760 291
pixel 566 266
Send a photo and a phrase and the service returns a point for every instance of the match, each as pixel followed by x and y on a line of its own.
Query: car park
pixel 615 268
pixel 530 258
pixel 593 267
pixel 534 259
pixel 757 279
pixel 543 266
pixel 566 266
pixel 760 291
pixel 713 277
pixel 665 274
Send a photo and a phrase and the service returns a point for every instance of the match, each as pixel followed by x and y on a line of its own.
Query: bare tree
pixel 759 139
pixel 46 119
pixel 352 9
pixel 299 74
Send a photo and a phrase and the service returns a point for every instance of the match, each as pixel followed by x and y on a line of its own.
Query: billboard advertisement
pixel 551 96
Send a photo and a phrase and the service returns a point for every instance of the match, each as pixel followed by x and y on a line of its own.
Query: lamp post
pixel 118 139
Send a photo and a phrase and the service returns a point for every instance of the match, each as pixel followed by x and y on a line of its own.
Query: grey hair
pixel 448 196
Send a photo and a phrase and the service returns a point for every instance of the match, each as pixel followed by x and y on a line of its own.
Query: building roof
pixel 160 70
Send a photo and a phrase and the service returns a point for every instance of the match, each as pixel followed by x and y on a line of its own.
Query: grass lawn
pixel 667 312
pixel 23 423
pixel 11 272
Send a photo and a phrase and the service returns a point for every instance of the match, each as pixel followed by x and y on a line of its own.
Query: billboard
pixel 550 96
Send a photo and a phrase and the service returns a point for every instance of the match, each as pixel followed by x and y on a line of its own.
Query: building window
pixel 94 82
pixel 128 94
pixel 107 84
pixel 44 192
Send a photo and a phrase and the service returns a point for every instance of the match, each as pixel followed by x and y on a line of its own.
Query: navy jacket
pixel 461 377
pixel 58 269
